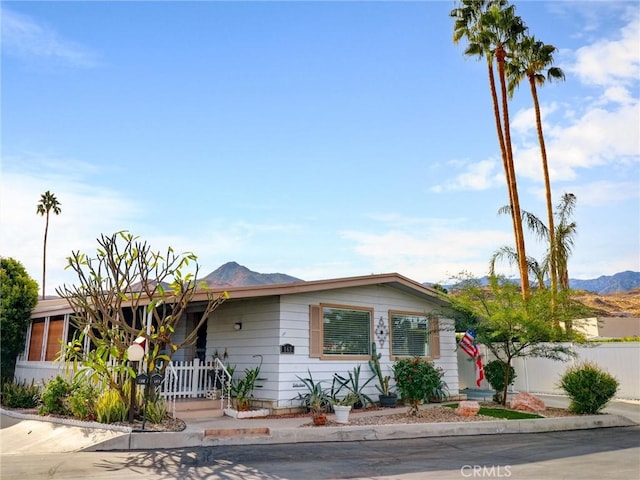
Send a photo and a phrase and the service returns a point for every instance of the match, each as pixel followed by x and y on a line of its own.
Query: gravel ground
pixel 435 414
pixel 371 416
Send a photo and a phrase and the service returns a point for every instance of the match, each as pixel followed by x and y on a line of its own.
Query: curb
pixel 187 439
pixel 70 422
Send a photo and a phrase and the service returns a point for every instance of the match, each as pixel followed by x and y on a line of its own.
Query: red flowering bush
pixel 416 378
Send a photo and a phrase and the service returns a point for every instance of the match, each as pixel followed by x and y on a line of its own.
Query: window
pixel 340 331
pixel 54 337
pixel 414 334
pixel 35 341
pixel 48 333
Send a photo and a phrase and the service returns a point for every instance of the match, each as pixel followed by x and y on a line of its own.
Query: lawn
pixel 501 413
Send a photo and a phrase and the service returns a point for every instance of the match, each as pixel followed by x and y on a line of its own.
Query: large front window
pixel 346 331
pixel 412 335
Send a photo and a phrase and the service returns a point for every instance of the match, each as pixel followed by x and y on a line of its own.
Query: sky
pixel 317 139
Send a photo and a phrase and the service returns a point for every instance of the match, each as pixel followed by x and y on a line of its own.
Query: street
pixel 586 454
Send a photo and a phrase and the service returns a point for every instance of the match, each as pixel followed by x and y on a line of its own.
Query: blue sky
pixel 317 139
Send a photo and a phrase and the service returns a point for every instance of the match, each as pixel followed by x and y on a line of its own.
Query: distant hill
pixel 233 274
pixel 619 282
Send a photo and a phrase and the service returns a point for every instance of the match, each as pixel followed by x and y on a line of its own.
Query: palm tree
pixel 492 29
pixel 560 249
pixel 531 58
pixel 565 232
pixel 507 253
pixel 48 202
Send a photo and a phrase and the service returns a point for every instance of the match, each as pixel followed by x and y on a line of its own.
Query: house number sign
pixel 287 348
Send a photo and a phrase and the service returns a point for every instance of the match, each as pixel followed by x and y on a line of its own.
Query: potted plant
pixel 342 407
pixel 352 384
pixel 318 410
pixel 316 399
pixel 242 389
pixel 387 397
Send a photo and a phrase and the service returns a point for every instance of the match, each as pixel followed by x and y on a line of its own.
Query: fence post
pixel 194 378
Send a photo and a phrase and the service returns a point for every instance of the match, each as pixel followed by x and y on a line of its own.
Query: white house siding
pixel 258 336
pixel 294 329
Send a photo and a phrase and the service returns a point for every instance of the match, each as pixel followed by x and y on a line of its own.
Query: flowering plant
pixel 416 379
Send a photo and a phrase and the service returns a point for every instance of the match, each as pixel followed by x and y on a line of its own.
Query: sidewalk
pixel 24 434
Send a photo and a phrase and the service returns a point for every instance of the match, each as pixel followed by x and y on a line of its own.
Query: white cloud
pixel 87 211
pixel 24 37
pixel 605 192
pixel 433 253
pixel 608 62
pixel 480 175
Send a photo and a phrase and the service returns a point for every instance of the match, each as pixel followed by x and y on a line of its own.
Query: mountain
pixel 619 282
pixel 233 274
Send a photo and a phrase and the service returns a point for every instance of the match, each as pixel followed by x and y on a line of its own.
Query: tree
pixel 566 230
pixel 48 202
pixel 511 326
pixel 492 29
pixel 128 291
pixel 530 59
pixel 560 248
pixel 18 297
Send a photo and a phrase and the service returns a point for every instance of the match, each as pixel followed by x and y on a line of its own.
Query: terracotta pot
pixel 319 418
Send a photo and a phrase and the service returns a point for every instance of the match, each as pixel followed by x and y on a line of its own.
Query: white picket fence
pixel 196 379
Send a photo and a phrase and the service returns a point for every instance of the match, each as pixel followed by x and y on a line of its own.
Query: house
pixel 323 327
pixel 610 327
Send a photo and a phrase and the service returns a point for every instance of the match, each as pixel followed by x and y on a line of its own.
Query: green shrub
pixel 54 397
pixel 110 408
pixel 416 379
pixel 588 387
pixel 20 395
pixel 156 411
pixel 82 400
pixel 494 373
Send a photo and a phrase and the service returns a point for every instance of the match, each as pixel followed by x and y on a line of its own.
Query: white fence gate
pixel 540 375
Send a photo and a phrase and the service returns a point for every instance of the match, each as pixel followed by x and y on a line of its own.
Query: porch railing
pixel 197 379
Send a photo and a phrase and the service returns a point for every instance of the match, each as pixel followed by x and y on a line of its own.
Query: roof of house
pixel 393 280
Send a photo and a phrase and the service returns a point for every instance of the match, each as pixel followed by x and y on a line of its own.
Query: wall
pixel 294 329
pixel 256 341
pixel 539 375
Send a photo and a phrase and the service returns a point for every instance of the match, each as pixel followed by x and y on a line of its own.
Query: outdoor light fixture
pixel 237 326
pixel 135 353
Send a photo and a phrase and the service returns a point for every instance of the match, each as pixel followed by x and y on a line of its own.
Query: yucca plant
pixel 110 408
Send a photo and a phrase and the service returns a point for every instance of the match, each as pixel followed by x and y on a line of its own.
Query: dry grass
pixel 614 304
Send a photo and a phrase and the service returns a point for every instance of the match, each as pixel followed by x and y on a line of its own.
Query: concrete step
pixel 198 408
pixel 188 404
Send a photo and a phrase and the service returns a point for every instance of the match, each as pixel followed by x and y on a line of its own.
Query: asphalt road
pixel 586 454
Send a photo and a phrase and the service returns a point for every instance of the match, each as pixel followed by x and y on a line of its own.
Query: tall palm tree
pixel 565 233
pixel 492 29
pixel 48 202
pixel 530 60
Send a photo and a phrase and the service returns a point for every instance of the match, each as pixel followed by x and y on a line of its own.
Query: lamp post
pixel 135 353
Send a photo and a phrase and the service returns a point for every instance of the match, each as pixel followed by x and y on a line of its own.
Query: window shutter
pixel 434 340
pixel 315 336
pixel 56 325
pixel 35 345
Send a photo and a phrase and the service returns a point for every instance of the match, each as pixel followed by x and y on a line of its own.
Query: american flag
pixel 468 344
pixel 479 371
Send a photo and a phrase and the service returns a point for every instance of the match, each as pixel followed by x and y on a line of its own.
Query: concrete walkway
pixel 20 433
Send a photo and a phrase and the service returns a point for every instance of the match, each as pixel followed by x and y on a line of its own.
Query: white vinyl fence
pixel 540 375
